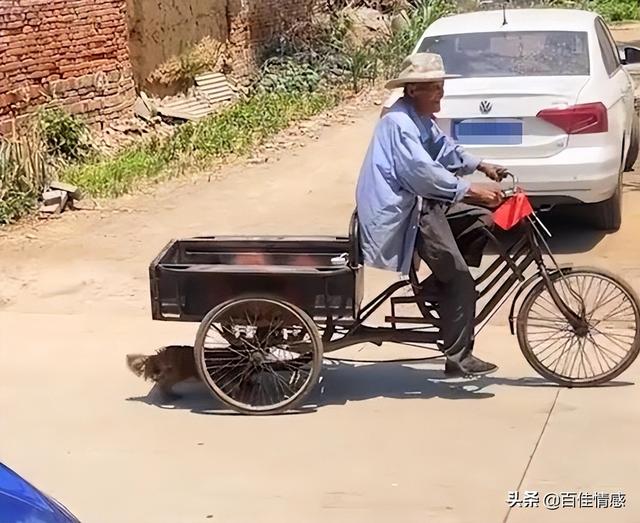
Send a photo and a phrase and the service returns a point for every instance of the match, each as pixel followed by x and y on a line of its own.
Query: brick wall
pixel 79 51
pixel 75 50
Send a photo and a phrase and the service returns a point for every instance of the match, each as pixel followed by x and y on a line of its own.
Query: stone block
pixel 53 208
pixel 52 197
pixel 72 190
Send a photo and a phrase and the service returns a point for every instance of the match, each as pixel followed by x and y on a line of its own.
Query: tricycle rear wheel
pixel 609 345
pixel 258 355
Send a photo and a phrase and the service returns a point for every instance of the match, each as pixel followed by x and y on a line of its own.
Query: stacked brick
pixel 75 51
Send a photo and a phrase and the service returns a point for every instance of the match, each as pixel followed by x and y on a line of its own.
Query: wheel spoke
pixel 553 313
pixel 554 347
pixel 582 286
pixel 616 312
pixel 598 294
pixel 554 308
pixel 614 342
pixel 277 379
pixel 568 372
pixel 600 350
pixel 553 339
pixel 588 289
pixel 245 374
pixel 220 372
pixel 607 302
pixel 597 354
pixel 583 358
pixel 618 336
pixel 556 343
pixel 566 345
pixel 270 357
pixel 272 331
pixel 234 377
pixel 604 299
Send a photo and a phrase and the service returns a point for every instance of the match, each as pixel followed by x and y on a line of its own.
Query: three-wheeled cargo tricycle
pixel 269 308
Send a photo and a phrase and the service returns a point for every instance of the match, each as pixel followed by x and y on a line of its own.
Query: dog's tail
pixel 136 363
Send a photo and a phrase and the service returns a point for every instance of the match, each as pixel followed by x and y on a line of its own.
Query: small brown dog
pixel 170 365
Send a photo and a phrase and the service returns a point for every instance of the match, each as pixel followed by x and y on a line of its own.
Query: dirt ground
pixel 628 33
pixel 386 443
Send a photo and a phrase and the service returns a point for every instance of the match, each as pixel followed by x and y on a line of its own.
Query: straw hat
pixel 419 68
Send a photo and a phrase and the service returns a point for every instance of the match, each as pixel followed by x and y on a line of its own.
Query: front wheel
pixel 580 359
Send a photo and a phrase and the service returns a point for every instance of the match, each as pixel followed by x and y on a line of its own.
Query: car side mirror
pixel 631 55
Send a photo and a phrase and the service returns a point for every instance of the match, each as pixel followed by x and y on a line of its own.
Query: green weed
pixel 24 173
pixel 232 132
pixel 65 135
pixel 610 10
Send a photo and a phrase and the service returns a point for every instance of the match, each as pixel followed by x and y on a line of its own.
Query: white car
pixel 543 92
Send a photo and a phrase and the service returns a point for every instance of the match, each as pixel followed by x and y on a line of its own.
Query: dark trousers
pixel 451 240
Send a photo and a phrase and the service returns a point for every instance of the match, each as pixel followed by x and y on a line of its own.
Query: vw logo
pixel 485 107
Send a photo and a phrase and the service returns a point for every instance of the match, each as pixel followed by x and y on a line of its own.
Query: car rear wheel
pixel 634 147
pixel 607 215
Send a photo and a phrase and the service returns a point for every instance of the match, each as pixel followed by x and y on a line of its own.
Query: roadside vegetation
pixel 610 10
pixel 616 10
pixel 308 70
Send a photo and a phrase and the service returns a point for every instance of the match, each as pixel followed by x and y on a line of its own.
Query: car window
pixel 610 55
pixel 517 53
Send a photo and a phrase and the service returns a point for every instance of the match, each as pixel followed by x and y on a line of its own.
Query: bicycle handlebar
pixel 508 193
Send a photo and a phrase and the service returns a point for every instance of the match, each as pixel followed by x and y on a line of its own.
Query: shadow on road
pixel 343 383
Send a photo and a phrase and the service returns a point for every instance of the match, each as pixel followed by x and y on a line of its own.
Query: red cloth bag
pixel 513 211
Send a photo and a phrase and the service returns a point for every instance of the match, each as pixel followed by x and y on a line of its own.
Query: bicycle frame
pixel 527 251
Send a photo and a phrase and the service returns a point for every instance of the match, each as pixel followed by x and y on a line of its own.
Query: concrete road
pixel 387 442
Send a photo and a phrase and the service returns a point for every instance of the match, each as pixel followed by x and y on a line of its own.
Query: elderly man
pixel 412 196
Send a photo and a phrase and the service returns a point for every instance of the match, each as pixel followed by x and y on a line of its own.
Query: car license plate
pixel 488 132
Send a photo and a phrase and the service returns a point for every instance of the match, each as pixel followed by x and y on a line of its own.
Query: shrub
pixel 616 10
pixel 610 10
pixel 24 173
pixel 64 135
pixel 280 74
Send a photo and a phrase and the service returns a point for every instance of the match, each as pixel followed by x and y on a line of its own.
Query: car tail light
pixel 578 119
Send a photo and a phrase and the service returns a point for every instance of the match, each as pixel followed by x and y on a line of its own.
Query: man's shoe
pixel 470 366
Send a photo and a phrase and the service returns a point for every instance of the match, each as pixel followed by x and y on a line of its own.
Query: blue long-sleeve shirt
pixel 409 158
